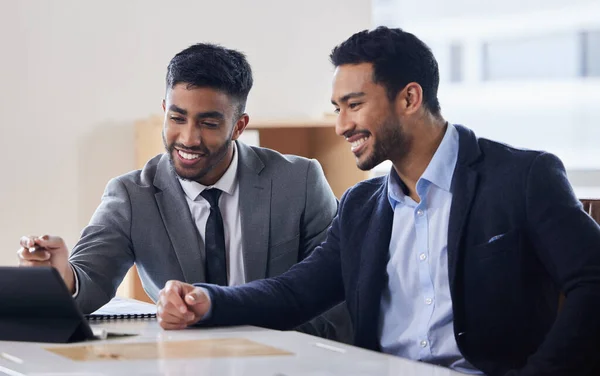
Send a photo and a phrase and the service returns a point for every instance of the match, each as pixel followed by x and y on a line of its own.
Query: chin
pixel 185 174
pixel 364 166
pixel 182 175
pixel 363 162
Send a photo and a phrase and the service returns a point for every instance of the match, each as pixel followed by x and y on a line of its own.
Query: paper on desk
pixel 122 306
pixel 205 348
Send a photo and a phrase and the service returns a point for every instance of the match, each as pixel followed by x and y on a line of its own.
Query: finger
pixel 176 304
pixel 50 241
pixel 28 255
pixel 169 326
pixel 166 305
pixel 194 319
pixel 172 294
pixel 196 296
pixel 169 320
pixel 174 318
pixel 34 263
pixel 173 286
pixel 27 241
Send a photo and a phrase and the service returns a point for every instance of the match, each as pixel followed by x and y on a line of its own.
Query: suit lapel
pixel 179 223
pixel 255 210
pixel 464 185
pixel 373 261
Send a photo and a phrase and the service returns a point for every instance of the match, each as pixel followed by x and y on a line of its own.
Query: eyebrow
pixel 348 96
pixel 200 115
pixel 177 109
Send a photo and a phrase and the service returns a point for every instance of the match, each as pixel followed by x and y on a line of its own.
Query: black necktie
pixel 214 240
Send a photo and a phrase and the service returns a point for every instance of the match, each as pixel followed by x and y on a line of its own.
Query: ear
pixel 410 98
pixel 239 126
pixel 164 105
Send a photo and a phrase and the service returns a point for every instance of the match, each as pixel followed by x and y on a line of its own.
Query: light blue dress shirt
pixel 416 319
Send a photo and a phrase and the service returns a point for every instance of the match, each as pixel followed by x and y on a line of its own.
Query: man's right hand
pixel 47 250
pixel 181 304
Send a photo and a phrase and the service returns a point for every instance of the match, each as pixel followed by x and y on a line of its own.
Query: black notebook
pixel 121 308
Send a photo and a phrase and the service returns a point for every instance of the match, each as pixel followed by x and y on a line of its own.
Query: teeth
pixel 357 143
pixel 185 155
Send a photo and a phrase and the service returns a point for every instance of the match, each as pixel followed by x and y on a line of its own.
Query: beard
pixel 212 159
pixel 391 143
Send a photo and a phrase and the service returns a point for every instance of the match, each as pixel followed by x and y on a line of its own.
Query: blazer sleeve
pixel 321 207
pixel 104 252
pixel 568 244
pixel 306 290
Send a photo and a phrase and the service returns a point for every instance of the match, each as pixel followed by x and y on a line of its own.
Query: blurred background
pixel 523 72
pixel 75 76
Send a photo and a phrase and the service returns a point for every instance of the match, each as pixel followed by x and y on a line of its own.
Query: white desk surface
pixel 308 357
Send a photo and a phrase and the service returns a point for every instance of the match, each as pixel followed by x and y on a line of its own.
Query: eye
pixel 354 106
pixel 210 125
pixel 337 110
pixel 178 119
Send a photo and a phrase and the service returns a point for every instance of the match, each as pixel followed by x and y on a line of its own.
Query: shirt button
pixel 420 213
pixel 428 301
pixel 422 257
pixel 423 343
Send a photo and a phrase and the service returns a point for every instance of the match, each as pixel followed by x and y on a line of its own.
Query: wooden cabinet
pixel 308 138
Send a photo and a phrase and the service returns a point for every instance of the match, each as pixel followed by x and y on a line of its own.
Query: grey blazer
pixel 286 208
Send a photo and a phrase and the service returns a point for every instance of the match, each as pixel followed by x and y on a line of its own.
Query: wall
pixel 75 75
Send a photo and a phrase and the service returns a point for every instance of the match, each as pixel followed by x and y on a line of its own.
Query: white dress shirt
pixel 229 205
pixel 416 319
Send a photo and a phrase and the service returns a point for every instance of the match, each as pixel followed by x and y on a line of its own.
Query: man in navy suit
pixel 456 258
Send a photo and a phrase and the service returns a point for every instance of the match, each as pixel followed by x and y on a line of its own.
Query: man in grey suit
pixel 210 209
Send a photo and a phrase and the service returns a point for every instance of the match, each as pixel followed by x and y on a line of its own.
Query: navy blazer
pixel 517 237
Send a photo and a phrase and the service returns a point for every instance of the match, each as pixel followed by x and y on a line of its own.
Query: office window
pixel 456 62
pixel 555 56
pixel 591 53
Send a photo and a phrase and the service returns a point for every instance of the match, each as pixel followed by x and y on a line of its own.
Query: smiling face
pixel 199 127
pixel 367 118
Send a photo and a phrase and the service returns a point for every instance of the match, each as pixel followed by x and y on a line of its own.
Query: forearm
pixel 101 259
pixel 100 268
pixel 104 253
pixel 90 295
pixel 71 281
pixel 305 291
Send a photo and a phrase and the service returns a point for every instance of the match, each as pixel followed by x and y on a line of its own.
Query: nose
pixel 344 124
pixel 190 135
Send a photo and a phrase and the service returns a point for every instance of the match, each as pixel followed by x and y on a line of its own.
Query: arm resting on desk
pixel 284 302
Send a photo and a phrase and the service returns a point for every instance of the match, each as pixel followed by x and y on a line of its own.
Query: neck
pixel 425 139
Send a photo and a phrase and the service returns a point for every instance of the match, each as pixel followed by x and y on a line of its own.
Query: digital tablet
pixel 36 305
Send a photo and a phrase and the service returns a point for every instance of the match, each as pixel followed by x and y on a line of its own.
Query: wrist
pixel 69 278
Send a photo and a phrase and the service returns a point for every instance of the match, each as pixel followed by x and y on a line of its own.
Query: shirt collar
pixel 441 168
pixel 439 172
pixel 226 183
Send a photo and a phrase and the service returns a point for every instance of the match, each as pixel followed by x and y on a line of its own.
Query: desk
pixel 308 358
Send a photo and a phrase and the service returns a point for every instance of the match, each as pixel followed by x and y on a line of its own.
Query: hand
pixel 180 305
pixel 47 250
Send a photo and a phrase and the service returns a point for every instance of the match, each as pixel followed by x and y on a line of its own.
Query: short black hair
pixel 213 66
pixel 398 58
